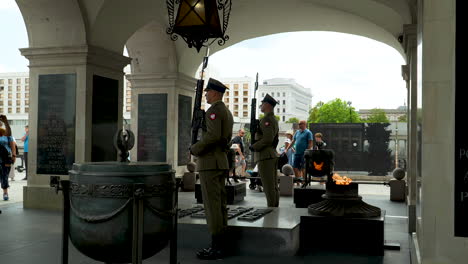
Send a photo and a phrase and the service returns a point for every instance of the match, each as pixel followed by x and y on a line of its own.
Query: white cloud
pixel 12 25
pixel 333 65
pixel 8 4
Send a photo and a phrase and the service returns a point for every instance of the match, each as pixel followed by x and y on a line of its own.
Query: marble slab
pixel 277 233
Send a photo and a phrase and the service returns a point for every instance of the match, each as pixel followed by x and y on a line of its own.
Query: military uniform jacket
pixel 212 149
pixel 265 136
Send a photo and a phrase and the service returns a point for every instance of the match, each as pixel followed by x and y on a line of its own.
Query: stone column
pixel 162 106
pixel 76 101
pixel 410 75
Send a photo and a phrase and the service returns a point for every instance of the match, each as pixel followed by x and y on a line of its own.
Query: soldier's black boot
pixel 216 251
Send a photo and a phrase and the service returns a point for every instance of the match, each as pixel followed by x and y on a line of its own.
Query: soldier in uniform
pixel 212 164
pixel 265 151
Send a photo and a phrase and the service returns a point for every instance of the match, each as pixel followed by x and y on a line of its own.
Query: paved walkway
pixel 34 236
pixel 16 186
pixel 16 189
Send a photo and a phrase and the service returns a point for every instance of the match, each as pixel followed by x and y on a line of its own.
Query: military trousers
pixel 215 199
pixel 268 173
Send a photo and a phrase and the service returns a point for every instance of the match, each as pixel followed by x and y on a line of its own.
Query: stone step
pixel 275 234
pixel 235 192
pixel 357 235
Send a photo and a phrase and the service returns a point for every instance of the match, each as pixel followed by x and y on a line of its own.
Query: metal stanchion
pixel 66 218
pixel 64 186
pixel 173 242
pixel 138 221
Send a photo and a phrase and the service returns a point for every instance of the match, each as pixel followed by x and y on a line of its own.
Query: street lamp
pixel 197 21
pixel 350 115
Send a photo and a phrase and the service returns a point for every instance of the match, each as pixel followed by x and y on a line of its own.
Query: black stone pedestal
pixel 304 197
pixel 356 235
pixel 235 192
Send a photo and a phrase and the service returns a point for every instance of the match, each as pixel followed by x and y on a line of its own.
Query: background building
pixel 392 114
pixel 293 99
pixel 239 97
pixel 127 101
pixel 14 101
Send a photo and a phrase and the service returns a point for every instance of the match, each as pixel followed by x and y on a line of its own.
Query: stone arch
pixel 251 22
pixel 100 22
pixel 109 30
pixel 151 50
pixel 53 23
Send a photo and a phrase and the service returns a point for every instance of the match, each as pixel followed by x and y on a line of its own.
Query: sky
pixel 13 36
pixel 332 65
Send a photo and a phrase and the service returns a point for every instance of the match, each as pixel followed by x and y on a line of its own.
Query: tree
pixel 247 134
pixel 377 116
pixel 262 115
pixel 293 120
pixel 313 113
pixel 403 118
pixel 336 111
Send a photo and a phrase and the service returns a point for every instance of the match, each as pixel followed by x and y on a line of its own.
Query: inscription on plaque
pixel 56 123
pixel 184 126
pixel 152 127
pixel 461 141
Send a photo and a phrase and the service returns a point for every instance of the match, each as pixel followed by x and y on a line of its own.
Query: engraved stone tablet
pixel 152 127
pixel 56 123
pixel 184 126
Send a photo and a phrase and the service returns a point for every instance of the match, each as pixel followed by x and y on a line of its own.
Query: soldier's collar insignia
pixel 267 123
pixel 213 116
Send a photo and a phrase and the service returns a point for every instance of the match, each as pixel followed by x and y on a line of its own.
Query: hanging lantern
pixel 197 21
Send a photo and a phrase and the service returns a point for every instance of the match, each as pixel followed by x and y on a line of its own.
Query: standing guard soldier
pixel 265 151
pixel 212 164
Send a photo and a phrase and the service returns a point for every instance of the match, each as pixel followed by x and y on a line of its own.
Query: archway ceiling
pixel 110 23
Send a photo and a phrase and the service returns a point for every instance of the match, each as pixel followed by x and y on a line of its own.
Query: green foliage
pixel 262 116
pixel 293 120
pixel 377 116
pixel 313 112
pixel 403 118
pixel 247 135
pixel 335 111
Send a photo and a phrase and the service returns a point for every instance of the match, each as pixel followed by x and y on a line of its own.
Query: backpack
pixel 5 155
pixel 282 160
pixel 16 150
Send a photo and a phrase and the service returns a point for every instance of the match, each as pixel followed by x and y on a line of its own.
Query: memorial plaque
pixel 104 118
pixel 184 125
pixel 56 123
pixel 152 127
pixel 190 211
pixel 255 215
pixel 461 140
pixel 231 212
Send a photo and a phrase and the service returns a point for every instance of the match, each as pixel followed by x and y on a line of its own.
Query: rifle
pixel 198 118
pixel 253 119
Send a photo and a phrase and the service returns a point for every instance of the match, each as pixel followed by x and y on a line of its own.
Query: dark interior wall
pixel 104 118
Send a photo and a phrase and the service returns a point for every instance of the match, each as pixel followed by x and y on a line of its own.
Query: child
pixel 319 143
